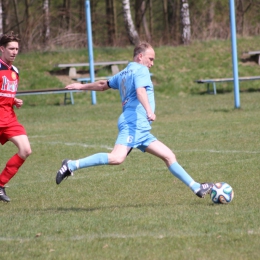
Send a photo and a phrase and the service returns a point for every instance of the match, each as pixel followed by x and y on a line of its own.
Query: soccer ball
pixel 222 193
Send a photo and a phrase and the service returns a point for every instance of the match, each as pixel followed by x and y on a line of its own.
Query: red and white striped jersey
pixel 9 78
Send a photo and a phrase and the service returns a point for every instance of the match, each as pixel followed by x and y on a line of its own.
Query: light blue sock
pixel 92 160
pixel 182 175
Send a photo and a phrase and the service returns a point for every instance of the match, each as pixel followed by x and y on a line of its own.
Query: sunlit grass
pixel 136 210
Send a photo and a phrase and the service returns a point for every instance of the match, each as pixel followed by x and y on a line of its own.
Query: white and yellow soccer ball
pixel 222 193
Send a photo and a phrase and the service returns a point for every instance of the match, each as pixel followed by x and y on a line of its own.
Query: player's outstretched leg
pixel 63 172
pixel 3 195
pixel 205 188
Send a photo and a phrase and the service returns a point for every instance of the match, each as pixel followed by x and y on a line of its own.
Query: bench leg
pixel 69 98
pixel 208 88
pixel 214 88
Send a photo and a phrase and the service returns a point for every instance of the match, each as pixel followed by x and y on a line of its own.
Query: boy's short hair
pixel 10 37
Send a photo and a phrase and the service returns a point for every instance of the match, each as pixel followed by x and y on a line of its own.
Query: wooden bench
pixel 214 81
pixel 72 66
pixel 51 91
pixel 254 54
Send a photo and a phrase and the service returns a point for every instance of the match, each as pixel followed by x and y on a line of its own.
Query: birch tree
pixel 185 19
pixel 130 28
pixel 46 21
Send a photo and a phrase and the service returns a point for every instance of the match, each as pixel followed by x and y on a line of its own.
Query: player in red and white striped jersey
pixel 10 128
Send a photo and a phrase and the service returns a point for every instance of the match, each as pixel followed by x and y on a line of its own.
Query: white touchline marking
pixel 179 151
pixel 217 151
pixel 78 144
pixel 126 236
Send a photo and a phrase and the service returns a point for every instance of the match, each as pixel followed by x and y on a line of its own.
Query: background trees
pixel 47 24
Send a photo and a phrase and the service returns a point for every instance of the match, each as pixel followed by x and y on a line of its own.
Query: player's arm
pixel 143 98
pixel 100 85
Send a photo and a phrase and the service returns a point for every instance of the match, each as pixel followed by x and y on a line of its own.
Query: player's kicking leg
pixel 160 150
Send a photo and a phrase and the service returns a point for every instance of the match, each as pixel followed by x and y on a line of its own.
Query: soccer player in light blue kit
pixel 134 124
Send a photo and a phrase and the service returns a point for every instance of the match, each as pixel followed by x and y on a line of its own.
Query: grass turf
pixel 136 210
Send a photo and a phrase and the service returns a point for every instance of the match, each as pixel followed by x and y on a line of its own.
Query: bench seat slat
pixel 86 64
pixel 214 81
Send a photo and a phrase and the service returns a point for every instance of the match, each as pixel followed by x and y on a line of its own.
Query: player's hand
pixel 18 102
pixel 74 86
pixel 151 116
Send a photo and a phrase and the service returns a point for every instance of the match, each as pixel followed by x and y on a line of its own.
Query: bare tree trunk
pixel 1 18
pixel 27 34
pixel 241 15
pixel 65 16
pixel 110 22
pixel 68 15
pixel 210 18
pixel 185 18
pixel 132 33
pixel 16 17
pixel 114 18
pixel 175 21
pixel 138 15
pixel 165 20
pixel 151 17
pixel 146 29
pixel 46 22
pixel 5 7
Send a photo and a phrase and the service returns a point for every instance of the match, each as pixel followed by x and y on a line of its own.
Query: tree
pixel 65 15
pixel 16 17
pixel 6 22
pixel 1 18
pixel 241 10
pixel 151 17
pixel 185 18
pixel 130 28
pixel 146 29
pixel 46 22
pixel 28 27
pixel 165 20
pixel 111 21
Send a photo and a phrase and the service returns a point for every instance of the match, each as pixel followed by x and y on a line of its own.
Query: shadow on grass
pixel 106 207
pixel 113 207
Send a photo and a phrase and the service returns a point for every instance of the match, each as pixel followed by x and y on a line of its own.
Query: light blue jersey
pixel 133 125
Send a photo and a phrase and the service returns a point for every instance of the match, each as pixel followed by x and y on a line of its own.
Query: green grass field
pixel 136 210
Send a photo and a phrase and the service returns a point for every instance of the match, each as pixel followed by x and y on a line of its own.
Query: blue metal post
pixel 90 49
pixel 234 52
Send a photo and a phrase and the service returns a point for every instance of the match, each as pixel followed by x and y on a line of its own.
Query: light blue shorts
pixel 135 138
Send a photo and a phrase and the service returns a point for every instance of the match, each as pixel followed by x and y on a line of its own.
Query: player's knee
pixel 169 160
pixel 26 152
pixel 116 160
